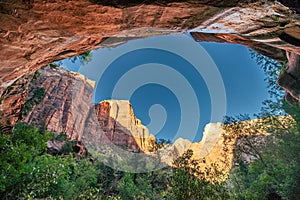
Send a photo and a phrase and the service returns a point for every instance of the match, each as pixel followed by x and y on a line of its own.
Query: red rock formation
pixel 120 125
pixel 65 105
pixel 66 108
pixel 38 32
pixel 12 101
pixel 35 34
pixel 53 30
pixel 268 28
pixel 262 48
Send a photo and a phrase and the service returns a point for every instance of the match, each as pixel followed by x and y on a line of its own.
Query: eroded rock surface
pixel 110 128
pixel 33 36
pixel 260 27
pixel 12 102
pixel 35 33
pixel 65 105
pixel 289 79
pixel 120 125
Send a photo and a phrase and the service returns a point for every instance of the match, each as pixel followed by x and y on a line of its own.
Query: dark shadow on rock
pixel 115 146
pixel 292 4
pixel 117 133
pixel 129 3
pixel 290 39
pixel 264 49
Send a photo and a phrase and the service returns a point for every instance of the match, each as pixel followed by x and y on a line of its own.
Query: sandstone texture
pixel 119 124
pixel 12 102
pixel 35 33
pixel 269 28
pixel 110 127
pixel 65 105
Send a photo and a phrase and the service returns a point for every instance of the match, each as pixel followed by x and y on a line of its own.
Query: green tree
pixel 28 172
pixel 190 182
pixel 17 150
pixel 272 143
pixel 82 58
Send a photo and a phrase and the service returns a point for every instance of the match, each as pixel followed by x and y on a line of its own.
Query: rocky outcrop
pixel 65 105
pixel 66 108
pixel 227 145
pixel 268 28
pixel 55 147
pixel 35 33
pixel 289 79
pixel 261 27
pixel 119 124
pixel 210 147
pixel 12 102
pixel 262 48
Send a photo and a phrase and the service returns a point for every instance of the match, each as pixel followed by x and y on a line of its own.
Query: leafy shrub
pixel 37 97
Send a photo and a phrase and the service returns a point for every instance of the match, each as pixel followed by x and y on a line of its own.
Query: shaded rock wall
pixel 66 103
pixel 289 79
pixel 67 108
pixel 264 49
pixel 259 23
pixel 292 4
pixel 12 102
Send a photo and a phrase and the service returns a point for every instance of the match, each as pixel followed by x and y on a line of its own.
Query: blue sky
pixel 177 86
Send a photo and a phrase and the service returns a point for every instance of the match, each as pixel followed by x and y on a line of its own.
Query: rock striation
pixel 12 102
pixel 64 106
pixel 119 124
pixel 35 33
pixel 269 28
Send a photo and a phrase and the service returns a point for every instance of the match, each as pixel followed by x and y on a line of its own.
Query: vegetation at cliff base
pixel 28 171
pixel 266 161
